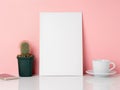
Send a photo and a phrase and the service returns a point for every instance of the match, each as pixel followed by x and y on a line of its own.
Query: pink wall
pixel 19 20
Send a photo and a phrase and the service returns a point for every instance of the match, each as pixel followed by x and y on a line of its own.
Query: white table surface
pixel 23 83
pixel 80 83
pixel 62 83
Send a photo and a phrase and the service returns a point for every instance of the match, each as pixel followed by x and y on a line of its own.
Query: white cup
pixel 102 66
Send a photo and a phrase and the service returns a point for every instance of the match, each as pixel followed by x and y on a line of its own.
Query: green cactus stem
pixel 25 49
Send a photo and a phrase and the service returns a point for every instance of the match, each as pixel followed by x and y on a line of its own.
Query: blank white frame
pixel 61 43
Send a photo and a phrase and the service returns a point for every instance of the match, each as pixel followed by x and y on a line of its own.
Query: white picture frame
pixel 61 44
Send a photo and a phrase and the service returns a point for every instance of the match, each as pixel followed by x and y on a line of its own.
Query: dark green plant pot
pixel 25 66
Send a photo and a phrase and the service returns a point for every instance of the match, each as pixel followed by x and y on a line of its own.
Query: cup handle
pixel 113 66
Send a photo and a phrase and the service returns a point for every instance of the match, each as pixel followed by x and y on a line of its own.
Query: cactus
pixel 25 60
pixel 25 49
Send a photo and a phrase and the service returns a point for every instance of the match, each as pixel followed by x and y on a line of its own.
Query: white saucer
pixel 100 74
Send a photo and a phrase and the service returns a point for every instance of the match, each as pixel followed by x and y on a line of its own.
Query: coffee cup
pixel 103 66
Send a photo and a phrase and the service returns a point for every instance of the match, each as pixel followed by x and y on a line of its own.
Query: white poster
pixel 61 43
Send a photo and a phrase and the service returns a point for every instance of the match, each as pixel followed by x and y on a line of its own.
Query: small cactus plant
pixel 25 49
pixel 25 60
